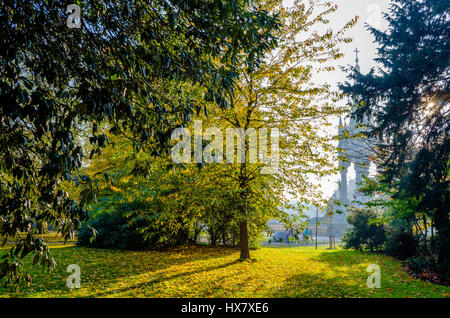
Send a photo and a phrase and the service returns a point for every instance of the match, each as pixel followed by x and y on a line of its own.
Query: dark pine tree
pixel 406 100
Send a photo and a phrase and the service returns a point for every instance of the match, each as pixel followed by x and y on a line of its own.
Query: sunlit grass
pixel 53 238
pixel 215 272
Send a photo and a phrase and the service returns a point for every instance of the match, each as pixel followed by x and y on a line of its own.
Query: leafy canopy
pixel 116 68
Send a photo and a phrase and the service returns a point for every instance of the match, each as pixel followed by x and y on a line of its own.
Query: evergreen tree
pixel 406 100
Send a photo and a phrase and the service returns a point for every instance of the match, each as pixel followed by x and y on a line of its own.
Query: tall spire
pixel 341 126
pixel 357 60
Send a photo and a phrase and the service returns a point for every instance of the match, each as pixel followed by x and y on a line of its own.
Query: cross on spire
pixel 357 58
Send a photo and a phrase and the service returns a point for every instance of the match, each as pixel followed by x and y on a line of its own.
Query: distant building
pixel 356 151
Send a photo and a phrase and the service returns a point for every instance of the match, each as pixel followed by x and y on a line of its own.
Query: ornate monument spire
pixel 350 149
pixel 343 188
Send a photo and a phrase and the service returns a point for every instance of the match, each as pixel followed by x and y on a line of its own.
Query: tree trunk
pixel 244 187
pixel 212 238
pixel 432 231
pixel 42 227
pixel 425 236
pixel 245 251
pixel 443 242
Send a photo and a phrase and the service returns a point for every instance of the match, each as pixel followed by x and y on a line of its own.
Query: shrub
pixel 443 266
pixel 110 230
pixel 404 245
pixel 133 225
pixel 400 241
pixel 366 231
pixel 419 263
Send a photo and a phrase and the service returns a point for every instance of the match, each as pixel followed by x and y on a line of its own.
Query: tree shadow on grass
pixel 344 275
pixel 340 259
pixel 337 258
pixel 150 283
pixel 319 286
pixel 101 268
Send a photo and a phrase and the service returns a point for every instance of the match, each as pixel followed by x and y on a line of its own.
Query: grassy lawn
pixel 214 272
pixel 51 237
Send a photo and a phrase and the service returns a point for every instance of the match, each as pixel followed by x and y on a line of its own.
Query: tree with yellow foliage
pixel 280 94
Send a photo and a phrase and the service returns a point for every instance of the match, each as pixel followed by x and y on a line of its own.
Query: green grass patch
pixel 51 237
pixel 215 272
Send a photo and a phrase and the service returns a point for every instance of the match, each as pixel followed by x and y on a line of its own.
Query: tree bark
pixel 244 188
pixel 42 227
pixel 245 251
pixel 443 242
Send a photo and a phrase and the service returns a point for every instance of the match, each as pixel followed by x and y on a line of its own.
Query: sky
pixel 371 12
